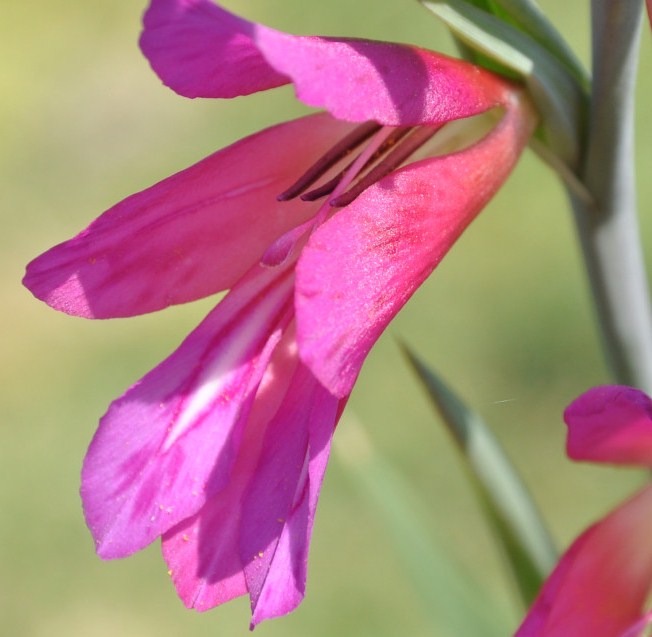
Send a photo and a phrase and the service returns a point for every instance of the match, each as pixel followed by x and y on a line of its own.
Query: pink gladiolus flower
pixel 221 449
pixel 601 584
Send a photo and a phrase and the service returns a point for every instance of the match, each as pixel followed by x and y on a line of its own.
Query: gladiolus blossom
pixel 602 583
pixel 321 228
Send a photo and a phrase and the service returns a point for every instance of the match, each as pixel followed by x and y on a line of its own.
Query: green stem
pixel 608 230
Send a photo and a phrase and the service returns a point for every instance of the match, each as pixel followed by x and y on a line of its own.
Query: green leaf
pixel 528 17
pixel 558 93
pixel 451 598
pixel 519 529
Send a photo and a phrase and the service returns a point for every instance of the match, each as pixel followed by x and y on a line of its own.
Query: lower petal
pixel 203 552
pixel 254 535
pixel 170 442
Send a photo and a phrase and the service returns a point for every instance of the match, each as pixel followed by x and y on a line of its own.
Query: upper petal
pixel 199 49
pixel 363 264
pixel 393 84
pixel 636 630
pixel 600 585
pixel 170 442
pixel 610 424
pixel 191 235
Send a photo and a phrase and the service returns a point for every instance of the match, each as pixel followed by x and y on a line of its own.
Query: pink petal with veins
pixel 170 442
pixel 203 552
pixel 280 504
pixel 200 49
pixel 363 264
pixel 254 536
pixel 190 235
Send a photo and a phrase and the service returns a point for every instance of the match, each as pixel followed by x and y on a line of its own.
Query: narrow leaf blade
pixel 516 521
pixel 451 598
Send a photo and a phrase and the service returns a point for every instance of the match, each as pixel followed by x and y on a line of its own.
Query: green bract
pixel 513 37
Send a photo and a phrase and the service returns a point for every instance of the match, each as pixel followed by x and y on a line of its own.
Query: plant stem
pixel 608 230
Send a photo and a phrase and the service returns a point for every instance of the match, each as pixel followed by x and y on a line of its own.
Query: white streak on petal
pixel 224 372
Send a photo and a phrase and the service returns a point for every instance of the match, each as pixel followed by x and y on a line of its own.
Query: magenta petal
pixel 611 424
pixel 169 443
pixel 201 50
pixel 281 502
pixel 393 84
pixel 600 586
pixel 637 629
pixel 254 535
pixel 362 265
pixel 190 235
pixel 203 552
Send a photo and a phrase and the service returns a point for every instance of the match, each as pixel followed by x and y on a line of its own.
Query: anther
pixel 401 152
pixel 329 159
pixel 330 185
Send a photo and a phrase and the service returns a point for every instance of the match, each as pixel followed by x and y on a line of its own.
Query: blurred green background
pixel 506 319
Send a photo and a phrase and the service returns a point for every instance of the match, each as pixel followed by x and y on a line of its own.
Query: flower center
pixel 380 150
pixel 386 151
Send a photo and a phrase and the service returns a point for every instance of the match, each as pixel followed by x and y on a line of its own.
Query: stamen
pixel 330 158
pixel 281 249
pixel 330 185
pixel 412 143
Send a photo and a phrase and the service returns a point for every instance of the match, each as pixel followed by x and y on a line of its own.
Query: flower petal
pixel 611 424
pixel 190 235
pixel 281 502
pixel 392 84
pixel 199 49
pixel 170 442
pixel 637 629
pixel 203 552
pixel 601 584
pixel 254 535
pixel 363 264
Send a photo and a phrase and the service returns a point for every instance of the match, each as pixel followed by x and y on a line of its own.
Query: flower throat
pixel 387 149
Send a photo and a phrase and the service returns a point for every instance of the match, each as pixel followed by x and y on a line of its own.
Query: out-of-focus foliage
pixel 521 534
pixel 83 123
